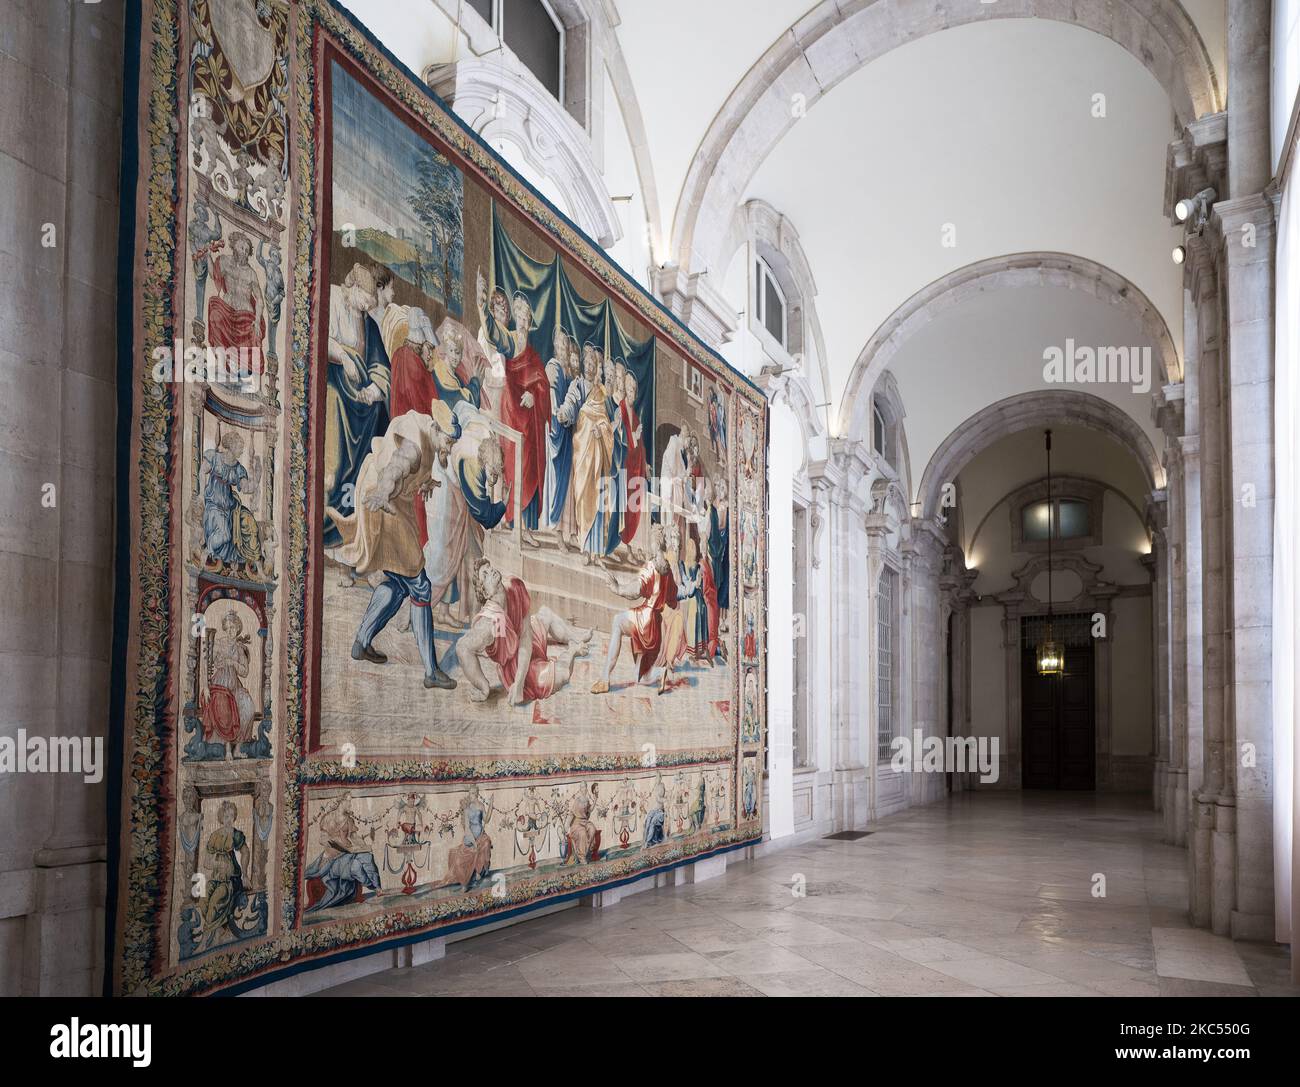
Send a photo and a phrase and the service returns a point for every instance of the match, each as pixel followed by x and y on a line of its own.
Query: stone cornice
pixel 1157 510
pixel 1230 217
pixel 1167 409
pixel 1198 160
pixel 701 307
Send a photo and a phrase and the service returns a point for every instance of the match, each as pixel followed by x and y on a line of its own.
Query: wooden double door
pixel 1058 726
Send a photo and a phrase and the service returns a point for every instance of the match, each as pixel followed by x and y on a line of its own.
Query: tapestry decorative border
pixel 414 631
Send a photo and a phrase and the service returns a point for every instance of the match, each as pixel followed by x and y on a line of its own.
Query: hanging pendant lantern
pixel 1051 661
pixel 1049 655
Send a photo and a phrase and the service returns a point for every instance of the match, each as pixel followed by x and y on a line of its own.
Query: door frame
pixel 1095 598
pixel 1027 676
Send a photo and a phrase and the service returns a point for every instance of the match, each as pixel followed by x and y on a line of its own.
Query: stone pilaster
pixel 1174 805
pixel 926 641
pixel 841 480
pixel 1212 851
pixel 1247 229
pixel 1157 563
pixel 956 584
pixel 61 66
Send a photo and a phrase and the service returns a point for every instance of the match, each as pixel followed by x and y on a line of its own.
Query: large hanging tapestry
pixel 441 544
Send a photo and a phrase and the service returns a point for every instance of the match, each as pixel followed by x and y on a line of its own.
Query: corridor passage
pixel 985 895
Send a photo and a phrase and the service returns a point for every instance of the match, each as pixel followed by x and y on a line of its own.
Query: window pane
pixel 773 311
pixel 885 668
pixel 801 747
pixel 484 8
pixel 535 40
pixel 878 434
pixel 1074 519
pixel 1035 521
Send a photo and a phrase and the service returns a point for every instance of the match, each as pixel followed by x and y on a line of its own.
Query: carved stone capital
pixel 1198 160
pixel 699 305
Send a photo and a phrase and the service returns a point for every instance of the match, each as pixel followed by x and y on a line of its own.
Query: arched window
pixel 1061 519
pixel 769 302
pixel 879 431
pixel 1072 516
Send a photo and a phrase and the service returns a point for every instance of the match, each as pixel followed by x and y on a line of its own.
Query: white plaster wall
pixel 415 31
pixel 1211 19
pixel 1130 677
pixel 685 56
pixel 988 681
pixel 743 350
pixel 632 251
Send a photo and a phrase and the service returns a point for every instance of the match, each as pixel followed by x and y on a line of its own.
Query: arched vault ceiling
pixel 989 347
pixel 987 127
pixel 685 57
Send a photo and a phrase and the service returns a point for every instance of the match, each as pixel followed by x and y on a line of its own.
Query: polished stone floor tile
pixel 726 986
pixel 1198 955
pixel 682 966
pixel 807 981
pixel 988 894
pixel 599 991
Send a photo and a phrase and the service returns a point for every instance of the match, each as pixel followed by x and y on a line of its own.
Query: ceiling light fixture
pixel 1051 661
pixel 1179 254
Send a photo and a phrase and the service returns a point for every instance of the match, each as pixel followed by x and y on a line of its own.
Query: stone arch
pixel 1015 270
pixel 1056 407
pixel 1065 481
pixel 837 37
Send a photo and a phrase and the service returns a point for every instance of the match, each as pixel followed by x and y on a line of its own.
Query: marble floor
pixel 985 895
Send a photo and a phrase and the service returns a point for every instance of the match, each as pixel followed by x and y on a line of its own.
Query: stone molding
pixel 500 100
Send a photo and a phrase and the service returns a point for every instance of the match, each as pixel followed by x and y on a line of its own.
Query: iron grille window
pixel 885 629
pixel 1072 630
pixel 801 739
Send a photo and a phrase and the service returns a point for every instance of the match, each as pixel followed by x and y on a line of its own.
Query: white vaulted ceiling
pixel 987 127
pixel 685 57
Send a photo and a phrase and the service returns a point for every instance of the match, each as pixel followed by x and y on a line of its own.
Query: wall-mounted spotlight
pixel 1179 254
pixel 1195 210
